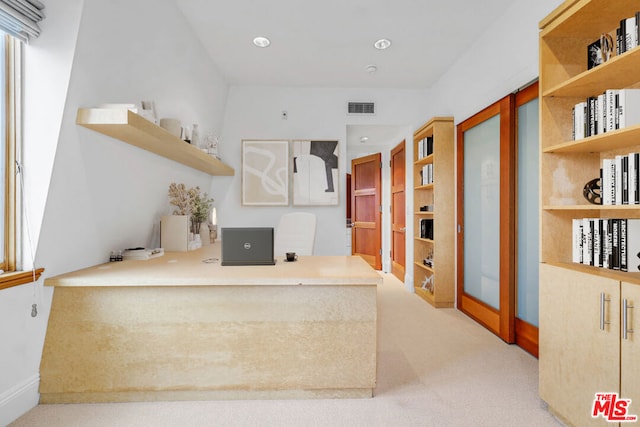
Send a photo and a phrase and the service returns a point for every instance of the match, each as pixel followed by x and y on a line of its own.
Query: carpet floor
pixel 436 367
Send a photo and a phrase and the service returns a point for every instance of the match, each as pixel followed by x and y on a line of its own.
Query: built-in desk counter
pixel 180 327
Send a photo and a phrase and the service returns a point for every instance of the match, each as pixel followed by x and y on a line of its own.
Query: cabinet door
pixel 577 358
pixel 630 348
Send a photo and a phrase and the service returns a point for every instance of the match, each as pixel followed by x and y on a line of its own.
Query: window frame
pixel 10 263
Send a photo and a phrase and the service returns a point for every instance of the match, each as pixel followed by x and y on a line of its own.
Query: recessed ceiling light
pixel 364 138
pixel 371 68
pixel 261 41
pixel 382 44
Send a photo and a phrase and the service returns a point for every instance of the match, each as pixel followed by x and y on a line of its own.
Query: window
pixel 10 132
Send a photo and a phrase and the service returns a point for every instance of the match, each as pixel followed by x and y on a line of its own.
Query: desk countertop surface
pixel 202 267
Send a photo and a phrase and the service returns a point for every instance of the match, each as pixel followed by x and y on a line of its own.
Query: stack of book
pixel 628 34
pixel 607 243
pixel 425 147
pixel 142 253
pixel 611 110
pixel 620 180
pixel 627 37
pixel 426 174
pixel 426 228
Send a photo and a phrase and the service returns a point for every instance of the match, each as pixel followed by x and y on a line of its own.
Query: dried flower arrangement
pixel 190 202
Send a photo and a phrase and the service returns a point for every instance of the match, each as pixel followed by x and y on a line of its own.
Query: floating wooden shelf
pixel 133 129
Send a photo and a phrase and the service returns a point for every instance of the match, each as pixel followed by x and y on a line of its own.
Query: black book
pixel 615 245
pixel 623 245
pixel 591 116
pixel 623 36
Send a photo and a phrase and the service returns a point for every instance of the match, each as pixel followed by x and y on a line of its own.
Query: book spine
pixel 577 240
pixel 623 36
pixel 633 245
pixel 597 242
pixel 618 180
pixel 623 245
pixel 635 178
pixel 630 33
pixel 605 182
pixel 591 116
pixel 610 95
pixel 615 244
pixel 600 114
pixel 606 243
pixel 625 180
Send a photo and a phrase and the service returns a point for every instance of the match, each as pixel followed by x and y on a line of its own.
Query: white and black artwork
pixel 315 173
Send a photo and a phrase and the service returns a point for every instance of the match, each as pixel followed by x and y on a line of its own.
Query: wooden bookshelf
pixel 133 129
pixel 581 307
pixel 440 194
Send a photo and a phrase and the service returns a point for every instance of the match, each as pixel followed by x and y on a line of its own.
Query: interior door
pixel 486 219
pixel 398 217
pixel 366 235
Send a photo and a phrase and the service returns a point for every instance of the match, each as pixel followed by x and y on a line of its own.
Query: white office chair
pixel 296 232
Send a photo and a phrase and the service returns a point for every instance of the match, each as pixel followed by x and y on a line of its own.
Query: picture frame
pixel 265 172
pixel 315 174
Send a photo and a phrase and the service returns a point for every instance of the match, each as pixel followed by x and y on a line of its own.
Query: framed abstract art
pixel 265 173
pixel 315 173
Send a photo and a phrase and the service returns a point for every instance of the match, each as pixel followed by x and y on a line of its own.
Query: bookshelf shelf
pixel 593 208
pixel 420 239
pixel 622 68
pixel 440 194
pixel 133 129
pixel 600 272
pixel 425 187
pixel 424 161
pixel 609 141
pixel 574 297
pixel 425 267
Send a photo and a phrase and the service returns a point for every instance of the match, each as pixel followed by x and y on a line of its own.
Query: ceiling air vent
pixel 361 108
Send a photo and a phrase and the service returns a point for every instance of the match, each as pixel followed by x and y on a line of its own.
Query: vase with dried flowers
pixel 190 202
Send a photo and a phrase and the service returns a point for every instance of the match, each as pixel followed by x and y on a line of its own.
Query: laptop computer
pixel 247 246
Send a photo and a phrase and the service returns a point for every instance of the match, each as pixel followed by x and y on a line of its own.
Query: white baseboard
pixel 18 400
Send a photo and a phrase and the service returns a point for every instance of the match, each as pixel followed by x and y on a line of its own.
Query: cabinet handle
pixel 603 300
pixel 625 319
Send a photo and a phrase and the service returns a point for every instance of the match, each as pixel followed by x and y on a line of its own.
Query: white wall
pixel 47 68
pixel 254 113
pixel 103 194
pixel 502 60
pixel 106 195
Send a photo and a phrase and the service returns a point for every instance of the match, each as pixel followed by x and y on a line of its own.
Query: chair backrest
pixel 296 232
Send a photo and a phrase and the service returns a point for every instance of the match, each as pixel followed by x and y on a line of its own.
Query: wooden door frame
pixel 526 333
pixel 378 202
pixel 501 322
pixel 400 147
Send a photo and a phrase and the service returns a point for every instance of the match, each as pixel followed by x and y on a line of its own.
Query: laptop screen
pixel 247 246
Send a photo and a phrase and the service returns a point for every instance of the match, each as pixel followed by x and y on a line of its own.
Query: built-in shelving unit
pixel 438 279
pixel 133 129
pixel 584 310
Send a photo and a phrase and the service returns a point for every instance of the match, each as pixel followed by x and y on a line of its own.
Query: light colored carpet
pixel 435 368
